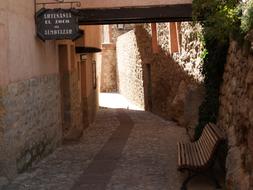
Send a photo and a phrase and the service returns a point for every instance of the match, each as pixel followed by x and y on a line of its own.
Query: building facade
pixel 47 92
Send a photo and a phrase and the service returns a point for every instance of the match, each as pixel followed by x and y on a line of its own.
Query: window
pixel 120 26
pixel 94 74
pixel 106 34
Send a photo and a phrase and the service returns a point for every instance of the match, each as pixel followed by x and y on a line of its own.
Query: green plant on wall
pixel 247 16
pixel 221 20
pixel 212 70
pixel 220 17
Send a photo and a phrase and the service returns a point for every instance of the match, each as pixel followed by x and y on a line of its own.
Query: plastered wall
pixel 30 120
pixel 23 55
pixel 126 3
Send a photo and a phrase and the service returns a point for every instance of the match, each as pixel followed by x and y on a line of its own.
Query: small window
pixel 120 26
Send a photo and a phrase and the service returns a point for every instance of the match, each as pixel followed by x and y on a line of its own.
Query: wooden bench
pixel 198 157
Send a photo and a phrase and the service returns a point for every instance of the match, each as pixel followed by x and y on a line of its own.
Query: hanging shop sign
pixel 57 24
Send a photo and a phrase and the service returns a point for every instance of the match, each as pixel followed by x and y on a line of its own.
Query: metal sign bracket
pixel 73 4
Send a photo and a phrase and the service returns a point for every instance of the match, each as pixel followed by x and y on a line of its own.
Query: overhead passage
pixel 165 13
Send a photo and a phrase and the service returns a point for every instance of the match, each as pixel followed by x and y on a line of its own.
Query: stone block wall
pixel 90 93
pixel 90 104
pixel 130 69
pixel 109 58
pixel 116 31
pixel 191 48
pixel 30 122
pixel 163 83
pixel 176 94
pixel 168 85
pixel 236 117
pixel 108 69
pixel 72 120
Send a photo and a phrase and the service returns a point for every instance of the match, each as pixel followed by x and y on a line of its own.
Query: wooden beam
pixel 174 43
pixel 151 14
pixel 179 35
pixel 154 38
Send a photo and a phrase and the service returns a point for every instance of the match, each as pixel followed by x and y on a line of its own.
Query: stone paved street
pixel 122 150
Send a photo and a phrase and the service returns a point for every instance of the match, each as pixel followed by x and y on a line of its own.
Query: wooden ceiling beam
pixel 152 14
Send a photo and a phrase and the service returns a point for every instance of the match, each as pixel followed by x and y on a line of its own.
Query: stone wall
pixel 191 49
pixel 90 94
pixel 168 85
pixel 176 94
pixel 30 90
pixel 90 104
pixel 109 57
pixel 30 122
pixel 108 69
pixel 130 69
pixel 72 119
pixel 236 117
pixel 116 31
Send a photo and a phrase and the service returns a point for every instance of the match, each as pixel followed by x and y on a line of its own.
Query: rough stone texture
pixel 191 46
pixel 116 31
pixel 30 122
pixel 3 182
pixel 174 91
pixel 193 99
pixel 109 58
pixel 73 118
pixel 89 105
pixel 90 101
pixel 163 33
pixel 108 69
pixel 148 160
pixel 171 85
pixel 191 49
pixel 130 69
pixel 235 115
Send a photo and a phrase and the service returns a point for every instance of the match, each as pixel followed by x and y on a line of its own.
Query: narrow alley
pixel 123 149
pixel 126 95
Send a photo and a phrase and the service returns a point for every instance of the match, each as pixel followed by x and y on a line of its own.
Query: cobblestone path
pixel 122 150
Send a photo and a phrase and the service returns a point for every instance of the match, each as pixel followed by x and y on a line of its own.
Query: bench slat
pixel 197 155
pixel 186 154
pixel 217 130
pixel 210 142
pixel 183 154
pixel 189 155
pixel 204 145
pixel 208 147
pixel 201 158
pixel 179 153
pixel 194 155
pixel 204 148
pixel 212 135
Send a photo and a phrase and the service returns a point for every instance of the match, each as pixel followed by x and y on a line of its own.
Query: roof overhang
pixel 149 14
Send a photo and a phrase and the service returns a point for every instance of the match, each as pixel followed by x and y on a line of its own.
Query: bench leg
pixel 191 176
pixel 186 181
pixel 215 180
